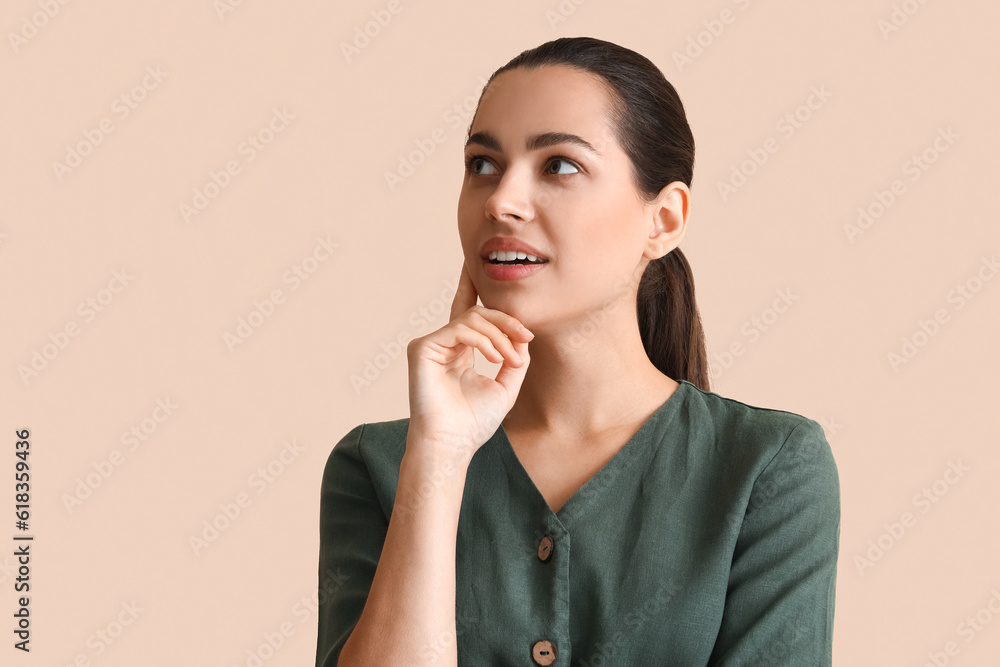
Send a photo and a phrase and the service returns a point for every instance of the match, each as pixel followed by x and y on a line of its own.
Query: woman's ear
pixel 668 216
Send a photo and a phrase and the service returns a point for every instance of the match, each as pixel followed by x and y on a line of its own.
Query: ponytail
pixel 669 322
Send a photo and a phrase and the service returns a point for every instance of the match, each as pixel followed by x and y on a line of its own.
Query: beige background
pixel 223 75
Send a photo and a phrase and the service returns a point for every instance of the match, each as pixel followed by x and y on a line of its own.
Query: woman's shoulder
pixel 366 460
pixel 375 443
pixel 739 413
pixel 746 430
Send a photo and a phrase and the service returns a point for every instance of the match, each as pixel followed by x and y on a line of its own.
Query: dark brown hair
pixel 652 129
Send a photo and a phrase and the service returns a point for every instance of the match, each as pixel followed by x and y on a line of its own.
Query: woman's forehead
pixel 547 99
pixel 545 83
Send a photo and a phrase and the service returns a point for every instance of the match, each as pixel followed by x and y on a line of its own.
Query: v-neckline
pixel 605 475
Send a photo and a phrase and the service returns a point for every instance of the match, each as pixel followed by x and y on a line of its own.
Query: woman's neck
pixel 578 391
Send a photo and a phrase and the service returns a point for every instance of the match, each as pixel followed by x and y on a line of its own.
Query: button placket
pixel 550 530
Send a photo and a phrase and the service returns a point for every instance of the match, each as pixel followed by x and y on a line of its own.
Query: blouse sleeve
pixel 353 527
pixel 780 598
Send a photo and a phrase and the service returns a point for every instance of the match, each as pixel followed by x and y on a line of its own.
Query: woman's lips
pixel 511 271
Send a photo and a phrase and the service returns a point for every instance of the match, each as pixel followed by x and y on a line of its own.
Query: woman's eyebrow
pixel 534 142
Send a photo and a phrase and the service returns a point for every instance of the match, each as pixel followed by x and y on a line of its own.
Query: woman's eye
pixel 563 161
pixel 475 163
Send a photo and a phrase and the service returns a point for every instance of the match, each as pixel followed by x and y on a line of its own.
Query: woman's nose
pixel 512 198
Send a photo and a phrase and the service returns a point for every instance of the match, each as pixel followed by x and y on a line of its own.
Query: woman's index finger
pixel 465 294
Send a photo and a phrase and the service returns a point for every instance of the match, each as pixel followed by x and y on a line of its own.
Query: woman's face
pixel 571 197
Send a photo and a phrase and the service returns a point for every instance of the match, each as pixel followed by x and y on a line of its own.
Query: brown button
pixel 545 549
pixel 544 652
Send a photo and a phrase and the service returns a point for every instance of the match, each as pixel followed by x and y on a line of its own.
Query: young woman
pixel 595 503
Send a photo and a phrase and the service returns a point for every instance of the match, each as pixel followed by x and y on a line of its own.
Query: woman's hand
pixel 453 409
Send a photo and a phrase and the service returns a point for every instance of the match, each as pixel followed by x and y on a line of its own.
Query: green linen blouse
pixel 710 538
